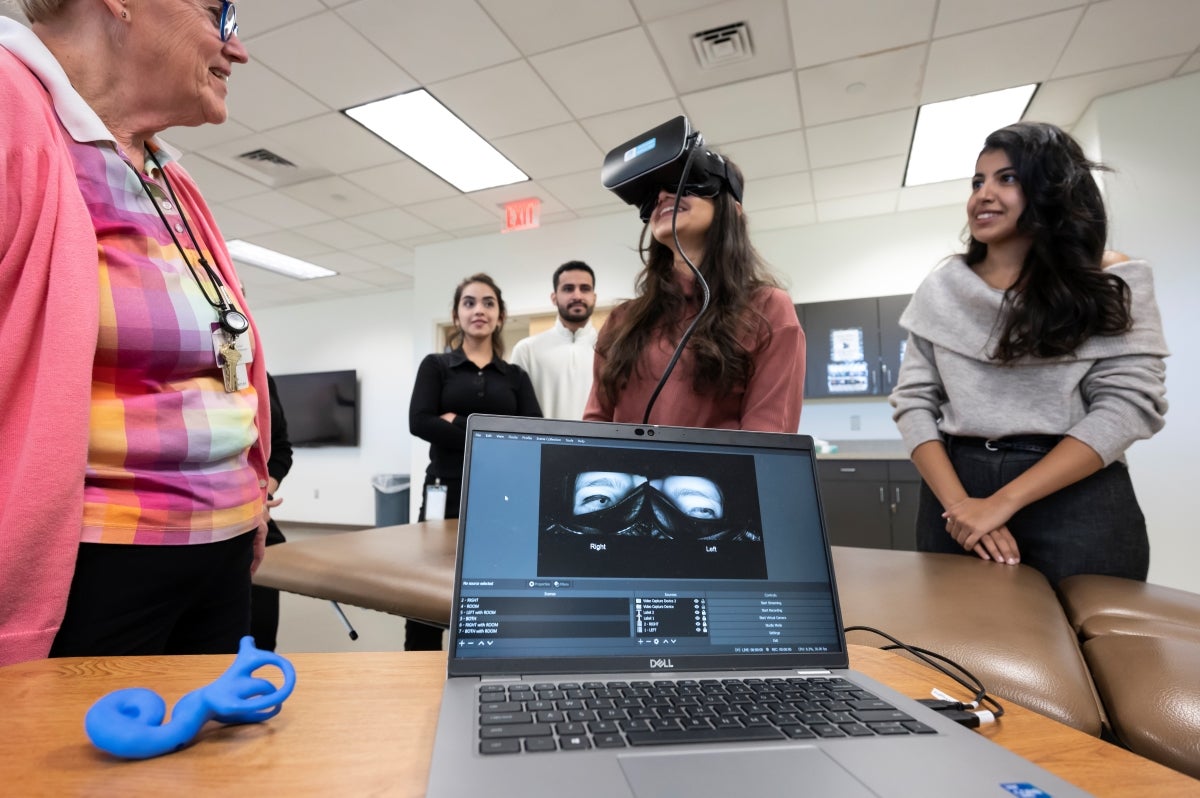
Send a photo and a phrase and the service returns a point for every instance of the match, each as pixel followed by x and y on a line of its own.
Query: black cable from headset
pixel 974 686
pixel 687 334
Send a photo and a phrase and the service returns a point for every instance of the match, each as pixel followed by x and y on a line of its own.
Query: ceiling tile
pixel 612 130
pixel 1123 32
pixel 1016 54
pixel 260 99
pixel 255 19
pixel 768 31
pixel 340 235
pixel 386 278
pixel 855 207
pixel 1063 101
pixel 960 16
pixel 428 238
pixel 493 200
pixel 824 31
pixel 933 195
pixel 746 110
pixel 551 151
pixel 343 263
pixel 777 218
pixel 657 9
pixel 780 191
pixel 538 25
pixel 336 196
pixel 862 139
pixel 782 153
pixel 291 243
pixel 431 40
pixel 335 142
pixel 193 139
pixel 392 256
pixel 590 81
pixel 455 213
pixel 279 209
pixel 868 177
pixel 391 225
pixel 403 183
pixel 862 86
pixel 218 183
pixel 239 224
pixel 582 190
pixel 332 61
pixel 1192 65
pixel 502 100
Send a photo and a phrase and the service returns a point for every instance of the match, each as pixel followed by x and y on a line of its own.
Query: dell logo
pixel 661 663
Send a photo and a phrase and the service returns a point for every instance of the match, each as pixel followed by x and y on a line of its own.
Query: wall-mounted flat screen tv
pixel 321 408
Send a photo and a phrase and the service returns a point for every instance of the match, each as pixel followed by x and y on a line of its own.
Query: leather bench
pixel 1142 644
pixel 1003 623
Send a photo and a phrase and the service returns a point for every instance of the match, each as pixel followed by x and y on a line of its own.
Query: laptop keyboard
pixel 571 716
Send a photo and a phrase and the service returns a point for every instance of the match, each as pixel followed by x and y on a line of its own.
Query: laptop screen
pixel 610 547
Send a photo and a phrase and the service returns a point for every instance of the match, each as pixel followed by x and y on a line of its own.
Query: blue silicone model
pixel 129 723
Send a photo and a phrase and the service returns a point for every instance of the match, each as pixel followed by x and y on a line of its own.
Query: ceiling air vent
pixel 263 155
pixel 273 169
pixel 727 44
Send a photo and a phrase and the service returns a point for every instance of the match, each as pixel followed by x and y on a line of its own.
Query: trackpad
pixel 726 772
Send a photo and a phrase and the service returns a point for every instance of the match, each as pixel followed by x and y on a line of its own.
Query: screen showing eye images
pixel 649 513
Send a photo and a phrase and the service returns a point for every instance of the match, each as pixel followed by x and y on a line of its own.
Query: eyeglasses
pixel 227 23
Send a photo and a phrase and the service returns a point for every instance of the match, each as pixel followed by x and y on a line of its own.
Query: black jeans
pixel 1094 526
pixel 137 599
pixel 422 636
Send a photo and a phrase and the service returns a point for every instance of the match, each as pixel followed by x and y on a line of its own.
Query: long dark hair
pixel 734 272
pixel 457 337
pixel 1062 295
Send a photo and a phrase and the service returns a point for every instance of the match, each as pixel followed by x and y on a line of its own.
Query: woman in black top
pixel 471 378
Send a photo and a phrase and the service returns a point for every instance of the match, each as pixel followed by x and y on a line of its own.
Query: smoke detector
pixel 728 44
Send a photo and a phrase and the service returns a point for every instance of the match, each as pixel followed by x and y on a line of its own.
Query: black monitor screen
pixel 321 408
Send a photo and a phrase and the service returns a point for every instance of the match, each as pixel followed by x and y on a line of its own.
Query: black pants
pixel 264 602
pixel 1094 526
pixel 135 599
pixel 422 636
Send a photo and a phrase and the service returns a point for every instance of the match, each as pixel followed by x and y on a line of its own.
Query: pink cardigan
pixel 49 307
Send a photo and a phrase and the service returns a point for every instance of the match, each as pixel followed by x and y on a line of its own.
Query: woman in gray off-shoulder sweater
pixel 1033 361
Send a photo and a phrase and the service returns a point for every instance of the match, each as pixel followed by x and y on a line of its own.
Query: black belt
pixel 1016 443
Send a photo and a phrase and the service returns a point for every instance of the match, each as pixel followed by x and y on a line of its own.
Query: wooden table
pixel 363 724
pixel 404 570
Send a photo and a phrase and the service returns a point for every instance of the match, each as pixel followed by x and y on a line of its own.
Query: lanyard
pixel 232 321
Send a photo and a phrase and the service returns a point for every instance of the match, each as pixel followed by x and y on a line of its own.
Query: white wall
pixel 1149 135
pixel 372 335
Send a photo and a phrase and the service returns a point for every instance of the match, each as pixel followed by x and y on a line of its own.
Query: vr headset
pixel 660 159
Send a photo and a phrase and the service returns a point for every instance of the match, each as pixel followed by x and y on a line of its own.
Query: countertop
pixel 893 449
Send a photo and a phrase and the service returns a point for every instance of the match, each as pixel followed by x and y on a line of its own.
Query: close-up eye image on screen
pixel 648 513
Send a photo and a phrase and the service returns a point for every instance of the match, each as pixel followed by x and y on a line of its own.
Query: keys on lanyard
pixel 230 357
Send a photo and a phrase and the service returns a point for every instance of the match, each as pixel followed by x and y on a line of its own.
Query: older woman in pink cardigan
pixel 134 402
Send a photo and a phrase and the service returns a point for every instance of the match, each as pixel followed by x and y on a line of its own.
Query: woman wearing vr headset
pixel 1033 361
pixel 743 367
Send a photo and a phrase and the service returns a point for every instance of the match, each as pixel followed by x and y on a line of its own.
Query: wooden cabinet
pixel 870 503
pixel 853 346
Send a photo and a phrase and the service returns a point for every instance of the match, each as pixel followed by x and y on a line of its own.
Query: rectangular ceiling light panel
pixel 950 134
pixel 277 262
pixel 426 131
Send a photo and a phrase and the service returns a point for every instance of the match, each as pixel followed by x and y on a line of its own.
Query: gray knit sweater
pixel 1108 394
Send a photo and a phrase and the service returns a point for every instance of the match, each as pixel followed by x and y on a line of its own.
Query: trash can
pixel 391 499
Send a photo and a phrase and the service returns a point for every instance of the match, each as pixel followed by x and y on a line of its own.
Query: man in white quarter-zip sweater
pixel 559 360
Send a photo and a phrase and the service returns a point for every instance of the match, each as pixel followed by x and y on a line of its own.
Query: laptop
pixel 651 611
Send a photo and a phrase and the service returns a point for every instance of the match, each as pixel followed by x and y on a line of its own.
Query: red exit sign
pixel 523 214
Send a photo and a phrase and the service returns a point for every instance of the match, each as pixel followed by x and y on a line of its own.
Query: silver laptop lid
pixel 587 547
